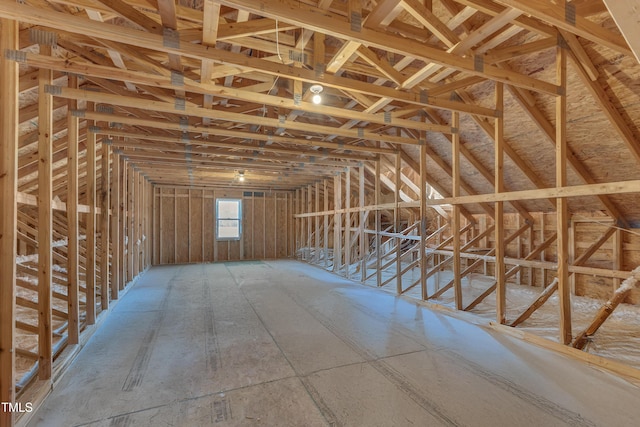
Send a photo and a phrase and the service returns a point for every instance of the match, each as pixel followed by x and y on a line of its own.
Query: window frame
pixel 218 219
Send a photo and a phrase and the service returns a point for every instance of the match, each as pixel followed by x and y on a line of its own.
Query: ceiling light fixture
pixel 316 89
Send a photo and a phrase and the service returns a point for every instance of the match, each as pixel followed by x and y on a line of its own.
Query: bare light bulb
pixel 316 99
pixel 241 178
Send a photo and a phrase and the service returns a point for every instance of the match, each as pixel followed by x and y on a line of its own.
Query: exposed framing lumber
pixel 556 15
pixel 73 258
pixel 337 223
pixel 625 14
pixel 423 222
pixel 364 248
pixel 90 251
pixel 562 213
pixel 8 213
pixel 115 227
pixel 304 17
pixel 537 303
pixel 605 311
pixel 455 219
pixel 105 174
pixel 501 280
pixel 396 222
pixel 45 225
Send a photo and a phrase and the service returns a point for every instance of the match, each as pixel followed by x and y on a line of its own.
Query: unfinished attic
pixel 331 212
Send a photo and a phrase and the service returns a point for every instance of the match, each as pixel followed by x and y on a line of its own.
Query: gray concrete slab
pixel 285 344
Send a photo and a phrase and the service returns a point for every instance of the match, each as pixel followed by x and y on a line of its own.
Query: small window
pixel 228 219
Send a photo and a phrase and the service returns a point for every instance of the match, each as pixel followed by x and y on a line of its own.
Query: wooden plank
pixel 337 224
pixel 304 17
pixel 378 224
pixel 396 221
pixel 347 223
pixel 90 232
pixel 556 15
pixel 131 218
pixel 325 224
pixel 115 227
pixel 122 205
pixel 316 208
pixel 501 284
pixel 8 213
pixel 618 254
pixel 104 225
pixel 455 219
pixel 423 219
pixel 607 308
pixel 73 266
pixel 537 303
pixel 625 13
pixel 45 224
pixel 562 213
pixel 363 245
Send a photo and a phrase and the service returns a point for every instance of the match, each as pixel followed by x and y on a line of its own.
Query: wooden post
pixel 423 217
pixel 396 220
pixel 378 223
pixel 501 285
pixel 309 208
pixel 543 255
pixel 347 223
pixel 131 217
pixel 115 227
pixel 73 266
pixel 45 225
pixel 90 256
pixel 618 254
pixel 561 203
pixel 364 247
pixel 122 205
pixel 297 222
pixel 104 225
pixel 9 84
pixel 337 224
pixel 572 254
pixel 316 257
pixel 455 220
pixel 326 223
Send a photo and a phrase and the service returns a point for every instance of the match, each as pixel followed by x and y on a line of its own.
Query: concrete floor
pixel 286 344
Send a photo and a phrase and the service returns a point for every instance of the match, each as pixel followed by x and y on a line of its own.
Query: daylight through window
pixel 228 219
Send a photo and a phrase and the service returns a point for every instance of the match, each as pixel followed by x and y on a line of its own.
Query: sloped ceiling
pixel 194 92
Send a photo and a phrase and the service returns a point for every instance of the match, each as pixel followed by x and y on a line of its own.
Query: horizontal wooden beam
pixel 307 17
pixel 586 190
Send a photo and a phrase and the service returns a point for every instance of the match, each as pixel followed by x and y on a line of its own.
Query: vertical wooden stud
pixel 396 221
pixel 618 254
pixel 45 225
pixel 325 219
pixel 364 248
pixel 378 223
pixel 337 223
pixel 9 84
pixel 347 223
pixel 501 287
pixel 455 219
pixel 423 218
pixel 562 211
pixel 73 266
pixel 104 225
pixel 115 227
pixel 90 255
